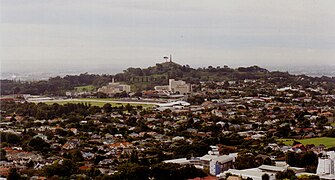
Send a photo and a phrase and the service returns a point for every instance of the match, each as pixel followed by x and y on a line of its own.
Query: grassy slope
pixel 85 88
pixel 327 141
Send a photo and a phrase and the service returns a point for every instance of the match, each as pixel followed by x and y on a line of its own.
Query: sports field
pixel 96 102
pixel 327 141
pixel 92 103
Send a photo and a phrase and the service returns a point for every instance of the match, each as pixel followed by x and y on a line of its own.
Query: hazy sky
pixel 122 33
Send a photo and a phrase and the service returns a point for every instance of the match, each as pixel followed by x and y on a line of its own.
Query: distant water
pixel 41 75
pixel 316 71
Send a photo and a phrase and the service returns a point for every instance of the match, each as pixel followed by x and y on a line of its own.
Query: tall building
pixel 179 87
pixel 175 87
pixel 113 88
pixel 326 165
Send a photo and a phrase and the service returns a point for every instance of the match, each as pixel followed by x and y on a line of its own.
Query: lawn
pixel 327 141
pixel 88 88
pixel 94 103
pixel 99 99
pixel 100 104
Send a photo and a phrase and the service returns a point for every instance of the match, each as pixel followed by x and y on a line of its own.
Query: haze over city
pixel 42 36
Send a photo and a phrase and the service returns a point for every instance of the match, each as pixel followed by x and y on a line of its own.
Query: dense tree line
pixel 159 74
pixel 53 86
pixel 70 110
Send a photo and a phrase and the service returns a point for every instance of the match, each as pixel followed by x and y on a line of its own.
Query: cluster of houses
pixel 325 169
pixel 252 109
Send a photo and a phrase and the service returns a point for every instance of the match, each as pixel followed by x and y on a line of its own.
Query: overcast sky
pixel 121 33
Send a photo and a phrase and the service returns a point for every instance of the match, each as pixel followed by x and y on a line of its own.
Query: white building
pixel 326 166
pixel 254 173
pixel 113 88
pixel 213 161
pixel 175 87
pixel 180 87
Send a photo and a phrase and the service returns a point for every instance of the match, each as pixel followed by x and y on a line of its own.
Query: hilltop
pixel 147 78
pixel 160 73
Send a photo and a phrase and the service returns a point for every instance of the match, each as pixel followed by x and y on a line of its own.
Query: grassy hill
pixel 327 141
pixel 147 78
pixel 159 74
pixel 88 88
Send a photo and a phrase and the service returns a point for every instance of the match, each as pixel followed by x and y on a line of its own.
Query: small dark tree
pixel 13 175
pixel 265 177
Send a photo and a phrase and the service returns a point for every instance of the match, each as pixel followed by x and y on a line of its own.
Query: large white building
pixel 213 161
pixel 179 87
pixel 175 87
pixel 326 166
pixel 113 88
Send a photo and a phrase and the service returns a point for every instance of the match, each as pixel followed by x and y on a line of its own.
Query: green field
pixel 88 88
pixel 95 103
pixel 101 99
pixel 327 141
pixel 100 104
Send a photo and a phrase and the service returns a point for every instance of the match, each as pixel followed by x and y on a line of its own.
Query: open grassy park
pixel 327 141
pixel 95 102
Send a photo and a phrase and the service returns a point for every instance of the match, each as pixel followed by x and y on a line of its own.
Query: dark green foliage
pixel 76 156
pixel 2 155
pixel 289 174
pixel 13 174
pixel 160 171
pixel 283 131
pixel 196 149
pixel 93 172
pixel 159 74
pixel 9 137
pixel 245 161
pixel 65 168
pixel 107 108
pixel 265 177
pixel 132 171
pixel 38 144
pixel 55 85
pixel 329 133
pixel 44 111
pixel 166 171
pixel 308 160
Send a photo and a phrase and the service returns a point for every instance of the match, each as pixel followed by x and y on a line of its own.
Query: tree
pixel 76 156
pixel 245 161
pixel 292 158
pixel 38 144
pixel 9 137
pixel 63 168
pixel 133 157
pixel 2 155
pixel 283 131
pixel 107 108
pixel 265 177
pixel 93 172
pixel 132 171
pixel 13 175
pixel 288 174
